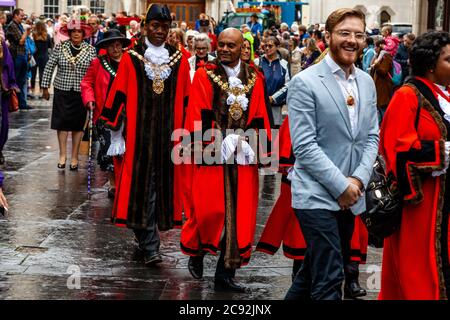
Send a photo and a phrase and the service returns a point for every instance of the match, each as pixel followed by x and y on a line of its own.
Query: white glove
pixel 245 156
pixel 290 172
pixel 446 161
pixel 117 147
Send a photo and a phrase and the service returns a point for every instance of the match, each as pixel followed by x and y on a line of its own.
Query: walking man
pixel 334 130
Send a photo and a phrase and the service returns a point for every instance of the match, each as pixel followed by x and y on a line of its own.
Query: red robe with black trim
pixel 282 225
pixel 412 261
pixel 207 106
pixel 148 180
pixel 95 85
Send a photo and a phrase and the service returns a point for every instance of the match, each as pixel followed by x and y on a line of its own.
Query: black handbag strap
pixel 416 122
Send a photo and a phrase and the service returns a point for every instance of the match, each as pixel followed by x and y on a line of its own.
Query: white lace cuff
pixel 446 161
pixel 290 173
pixel 117 147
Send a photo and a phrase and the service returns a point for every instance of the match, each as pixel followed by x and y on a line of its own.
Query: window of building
pixel 71 3
pixel 384 17
pixel 51 8
pixel 97 6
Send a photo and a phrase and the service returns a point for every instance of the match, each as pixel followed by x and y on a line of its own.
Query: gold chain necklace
pixel 107 66
pixel 236 111
pixel 158 83
pixel 70 58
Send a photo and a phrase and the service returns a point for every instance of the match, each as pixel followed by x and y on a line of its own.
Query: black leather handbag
pixel 384 202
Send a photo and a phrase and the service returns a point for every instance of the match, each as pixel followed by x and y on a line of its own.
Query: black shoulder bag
pixel 384 202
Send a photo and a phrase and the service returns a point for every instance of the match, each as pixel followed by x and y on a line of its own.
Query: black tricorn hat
pixel 158 12
pixel 111 36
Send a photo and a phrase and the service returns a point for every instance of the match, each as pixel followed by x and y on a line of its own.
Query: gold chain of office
pixel 236 111
pixel 107 66
pixel 68 55
pixel 158 83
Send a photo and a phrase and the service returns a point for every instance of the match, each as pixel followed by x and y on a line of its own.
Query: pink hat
pixel 76 24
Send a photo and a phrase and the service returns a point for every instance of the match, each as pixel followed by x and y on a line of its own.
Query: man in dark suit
pixel 96 35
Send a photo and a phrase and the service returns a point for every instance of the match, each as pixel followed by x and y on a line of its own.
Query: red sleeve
pixel 182 94
pixel 88 82
pixel 406 150
pixel 258 106
pixel 117 95
pixel 200 98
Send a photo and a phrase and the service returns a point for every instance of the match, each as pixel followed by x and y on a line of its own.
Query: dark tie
pixel 93 40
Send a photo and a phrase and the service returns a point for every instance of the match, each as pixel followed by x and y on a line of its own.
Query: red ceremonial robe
pixel 95 85
pixel 412 262
pixel 282 225
pixel 210 201
pixel 147 170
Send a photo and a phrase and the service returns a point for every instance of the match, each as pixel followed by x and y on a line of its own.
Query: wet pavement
pixel 57 244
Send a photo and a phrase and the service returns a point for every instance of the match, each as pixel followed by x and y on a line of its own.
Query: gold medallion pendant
pixel 236 111
pixel 350 101
pixel 158 86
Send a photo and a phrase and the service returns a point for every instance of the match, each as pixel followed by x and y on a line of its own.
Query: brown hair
pixel 388 28
pixel 179 33
pixel 274 40
pixel 410 36
pixel 340 15
pixel 40 31
pixel 312 45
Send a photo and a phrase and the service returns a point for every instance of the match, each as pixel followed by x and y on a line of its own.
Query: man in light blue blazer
pixel 334 130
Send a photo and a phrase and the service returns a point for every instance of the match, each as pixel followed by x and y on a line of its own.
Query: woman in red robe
pixel 94 89
pixel 414 141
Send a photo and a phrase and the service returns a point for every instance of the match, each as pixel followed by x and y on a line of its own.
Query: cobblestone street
pixel 52 232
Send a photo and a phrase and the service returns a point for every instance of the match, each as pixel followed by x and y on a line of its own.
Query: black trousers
pixel 148 238
pixel 328 235
pixel 221 271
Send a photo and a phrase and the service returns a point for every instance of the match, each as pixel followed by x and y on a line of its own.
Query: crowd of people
pixel 151 85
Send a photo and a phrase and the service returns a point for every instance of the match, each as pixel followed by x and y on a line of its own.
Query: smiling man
pixel 226 95
pixel 334 130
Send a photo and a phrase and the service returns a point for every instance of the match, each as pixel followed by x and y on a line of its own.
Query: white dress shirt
pixel 232 71
pixel 348 87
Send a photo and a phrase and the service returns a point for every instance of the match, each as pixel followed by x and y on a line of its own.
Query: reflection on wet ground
pixel 53 234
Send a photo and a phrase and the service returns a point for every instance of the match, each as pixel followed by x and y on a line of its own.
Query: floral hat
pixel 77 24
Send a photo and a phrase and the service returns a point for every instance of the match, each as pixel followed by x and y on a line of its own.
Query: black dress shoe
pixel 195 266
pixel 61 165
pixel 73 167
pixel 353 290
pixel 228 284
pixel 152 259
pixel 2 158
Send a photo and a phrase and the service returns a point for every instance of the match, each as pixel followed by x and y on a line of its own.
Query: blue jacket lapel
pixel 335 92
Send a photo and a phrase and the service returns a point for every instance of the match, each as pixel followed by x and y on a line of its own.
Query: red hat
pixel 76 24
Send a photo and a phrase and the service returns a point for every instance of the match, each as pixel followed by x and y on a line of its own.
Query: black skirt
pixel 68 112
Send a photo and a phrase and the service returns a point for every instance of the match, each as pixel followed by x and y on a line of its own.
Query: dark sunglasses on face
pixel 268 46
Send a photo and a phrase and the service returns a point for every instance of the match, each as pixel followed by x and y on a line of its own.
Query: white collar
pixel 443 89
pixel 233 71
pixel 153 47
pixel 336 69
